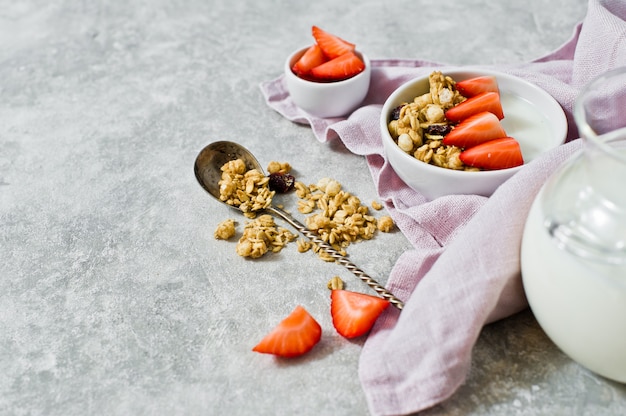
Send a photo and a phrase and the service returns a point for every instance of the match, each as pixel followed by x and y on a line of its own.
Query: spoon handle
pixel 382 292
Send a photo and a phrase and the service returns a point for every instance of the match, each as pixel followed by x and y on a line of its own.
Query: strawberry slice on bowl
pixel 332 46
pixel 485 101
pixel 353 313
pixel 311 58
pixel 343 67
pixel 495 154
pixel 474 86
pixel 475 130
pixel 295 335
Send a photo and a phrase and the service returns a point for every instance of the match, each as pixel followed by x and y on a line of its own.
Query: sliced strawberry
pixel 485 101
pixel 495 154
pixel 342 67
pixel 332 46
pixel 474 86
pixel 295 335
pixel 474 130
pixel 311 58
pixel 354 313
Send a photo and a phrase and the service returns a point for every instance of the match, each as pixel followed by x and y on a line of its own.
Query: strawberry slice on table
pixel 474 86
pixel 332 46
pixel 474 130
pixel 311 58
pixel 342 67
pixel 355 313
pixel 495 154
pixel 295 335
pixel 485 101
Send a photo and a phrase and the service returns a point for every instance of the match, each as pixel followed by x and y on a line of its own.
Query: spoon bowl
pixel 211 159
pixel 208 171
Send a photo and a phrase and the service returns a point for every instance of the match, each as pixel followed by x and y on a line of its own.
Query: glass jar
pixel 573 254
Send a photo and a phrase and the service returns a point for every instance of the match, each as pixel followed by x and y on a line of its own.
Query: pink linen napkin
pixel 464 270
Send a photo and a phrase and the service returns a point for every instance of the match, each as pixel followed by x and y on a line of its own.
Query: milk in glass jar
pixel 573 254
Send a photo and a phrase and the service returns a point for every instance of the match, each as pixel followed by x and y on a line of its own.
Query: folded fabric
pixel 464 270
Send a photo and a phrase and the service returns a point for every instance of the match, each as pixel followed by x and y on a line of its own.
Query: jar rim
pixel 586 132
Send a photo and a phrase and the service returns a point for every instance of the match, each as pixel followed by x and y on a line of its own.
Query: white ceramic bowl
pixel 327 99
pixel 531 115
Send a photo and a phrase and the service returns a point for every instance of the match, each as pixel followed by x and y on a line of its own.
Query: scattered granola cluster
pixel 262 235
pixel 278 167
pixel 340 219
pixel 385 224
pixel 418 127
pixel 225 230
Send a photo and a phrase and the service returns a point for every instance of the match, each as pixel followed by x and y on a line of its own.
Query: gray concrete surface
pixel 114 296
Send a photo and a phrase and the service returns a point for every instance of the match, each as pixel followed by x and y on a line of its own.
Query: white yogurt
pixel 523 121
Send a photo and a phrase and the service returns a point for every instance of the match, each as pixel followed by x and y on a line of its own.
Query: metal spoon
pixel 208 173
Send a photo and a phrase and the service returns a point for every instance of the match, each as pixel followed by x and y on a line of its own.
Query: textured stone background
pixel 114 296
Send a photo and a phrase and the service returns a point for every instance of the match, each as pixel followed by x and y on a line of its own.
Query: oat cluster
pixel 278 167
pixel 385 224
pixel 337 216
pixel 335 283
pixel 377 205
pixel 262 235
pixel 246 189
pixel 225 230
pixel 420 125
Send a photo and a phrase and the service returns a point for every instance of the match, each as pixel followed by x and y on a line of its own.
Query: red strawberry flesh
pixel 311 58
pixel 340 68
pixel 474 130
pixel 295 335
pixel 474 86
pixel 332 46
pixel 355 313
pixel 495 154
pixel 486 101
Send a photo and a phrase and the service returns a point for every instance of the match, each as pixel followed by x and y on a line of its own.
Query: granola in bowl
pixel 418 127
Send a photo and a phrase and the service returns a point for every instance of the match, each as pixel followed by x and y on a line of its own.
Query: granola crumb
pixel 385 224
pixel 278 167
pixel 303 245
pixel 225 230
pixel 335 283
